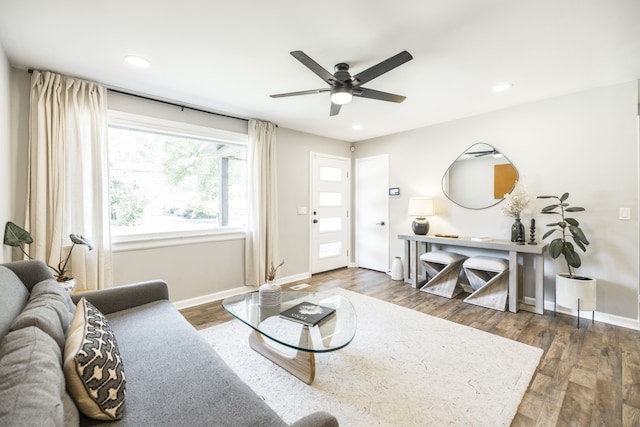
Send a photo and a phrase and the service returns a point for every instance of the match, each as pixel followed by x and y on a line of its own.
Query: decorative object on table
pixel 307 313
pixel 420 208
pixel 269 293
pixel 17 237
pixel 532 232
pixel 397 271
pixel 572 291
pixel 515 202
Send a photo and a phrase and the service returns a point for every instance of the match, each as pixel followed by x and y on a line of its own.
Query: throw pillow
pixel 92 365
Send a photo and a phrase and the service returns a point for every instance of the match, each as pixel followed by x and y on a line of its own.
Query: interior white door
pixel 329 212
pixel 372 212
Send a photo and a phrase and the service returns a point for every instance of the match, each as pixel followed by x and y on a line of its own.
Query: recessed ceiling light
pixel 137 61
pixel 502 87
pixel 356 127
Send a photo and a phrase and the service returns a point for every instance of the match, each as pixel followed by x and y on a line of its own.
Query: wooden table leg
pixel 302 364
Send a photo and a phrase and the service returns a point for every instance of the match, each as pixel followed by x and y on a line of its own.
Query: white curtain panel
pixel 261 245
pixel 68 176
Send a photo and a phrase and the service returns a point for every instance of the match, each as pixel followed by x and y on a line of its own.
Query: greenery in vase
pixel 515 202
pixel 271 274
pixel 567 227
pixel 17 237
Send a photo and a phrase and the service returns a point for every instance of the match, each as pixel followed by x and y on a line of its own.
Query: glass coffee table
pixel 269 329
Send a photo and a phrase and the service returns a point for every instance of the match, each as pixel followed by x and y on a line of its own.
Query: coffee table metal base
pixel 302 364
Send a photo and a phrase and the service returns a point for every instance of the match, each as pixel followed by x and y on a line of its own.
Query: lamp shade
pixel 421 207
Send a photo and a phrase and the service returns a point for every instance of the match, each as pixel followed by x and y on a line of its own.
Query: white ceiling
pixel 230 56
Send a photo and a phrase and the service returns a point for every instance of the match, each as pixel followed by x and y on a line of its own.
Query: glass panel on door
pixel 330 224
pixel 330 174
pixel 330 249
pixel 330 199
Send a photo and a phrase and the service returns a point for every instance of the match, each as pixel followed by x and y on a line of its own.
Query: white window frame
pixel 129 242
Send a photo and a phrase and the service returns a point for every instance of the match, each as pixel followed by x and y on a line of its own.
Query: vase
pixel 517 231
pixel 68 285
pixel 397 272
pixel 269 295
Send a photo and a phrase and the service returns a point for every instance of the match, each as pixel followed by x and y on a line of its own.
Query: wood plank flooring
pixel 586 377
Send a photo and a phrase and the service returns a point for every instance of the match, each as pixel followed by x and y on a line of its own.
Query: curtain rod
pixel 174 104
pixel 162 101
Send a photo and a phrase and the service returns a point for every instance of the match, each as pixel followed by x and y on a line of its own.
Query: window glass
pixel 330 249
pixel 330 199
pixel 330 174
pixel 330 224
pixel 168 181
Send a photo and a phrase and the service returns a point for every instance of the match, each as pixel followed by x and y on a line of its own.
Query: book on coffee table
pixel 307 313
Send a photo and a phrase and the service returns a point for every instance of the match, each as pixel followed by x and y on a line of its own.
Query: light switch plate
pixel 302 210
pixel 625 214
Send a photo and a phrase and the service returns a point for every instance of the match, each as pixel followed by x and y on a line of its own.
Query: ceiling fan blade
pixel 376 94
pixel 381 68
pixel 303 92
pixel 313 66
pixel 335 109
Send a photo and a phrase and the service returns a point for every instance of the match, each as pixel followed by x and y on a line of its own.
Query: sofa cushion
pixel 48 310
pixel 14 297
pixel 170 367
pixel 93 366
pixel 32 390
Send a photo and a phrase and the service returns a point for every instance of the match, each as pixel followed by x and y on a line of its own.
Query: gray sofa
pixel 173 376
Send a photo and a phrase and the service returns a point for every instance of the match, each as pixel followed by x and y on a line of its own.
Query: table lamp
pixel 420 208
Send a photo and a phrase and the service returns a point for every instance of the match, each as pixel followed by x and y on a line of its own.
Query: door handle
pixel 315 221
pixel 381 223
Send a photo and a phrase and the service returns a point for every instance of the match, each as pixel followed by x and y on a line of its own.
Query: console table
pixel 415 245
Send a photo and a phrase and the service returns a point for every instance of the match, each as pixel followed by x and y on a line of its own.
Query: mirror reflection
pixel 479 178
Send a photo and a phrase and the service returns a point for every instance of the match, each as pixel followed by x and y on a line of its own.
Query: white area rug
pixel 403 368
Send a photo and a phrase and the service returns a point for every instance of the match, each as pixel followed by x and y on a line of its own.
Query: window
pixel 172 177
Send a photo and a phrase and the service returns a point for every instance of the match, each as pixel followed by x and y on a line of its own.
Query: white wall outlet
pixel 624 214
pixel 302 210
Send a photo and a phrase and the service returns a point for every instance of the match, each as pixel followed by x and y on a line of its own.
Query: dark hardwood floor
pixel 586 377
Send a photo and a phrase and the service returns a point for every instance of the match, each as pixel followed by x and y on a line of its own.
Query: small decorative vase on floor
pixel 517 231
pixel 397 272
pixel 269 295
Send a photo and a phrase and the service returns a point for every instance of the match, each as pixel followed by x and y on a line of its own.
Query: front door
pixel 329 212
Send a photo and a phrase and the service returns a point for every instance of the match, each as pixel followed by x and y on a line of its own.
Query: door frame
pixel 312 155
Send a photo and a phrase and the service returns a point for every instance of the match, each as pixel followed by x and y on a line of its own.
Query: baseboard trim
pixel 611 319
pixel 216 296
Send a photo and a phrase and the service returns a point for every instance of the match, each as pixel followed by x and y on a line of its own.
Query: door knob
pixel 315 221
pixel 381 223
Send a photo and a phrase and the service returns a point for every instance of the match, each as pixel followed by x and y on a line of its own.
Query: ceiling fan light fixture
pixel 341 96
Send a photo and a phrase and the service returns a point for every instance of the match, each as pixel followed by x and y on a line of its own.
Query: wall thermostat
pixel 394 191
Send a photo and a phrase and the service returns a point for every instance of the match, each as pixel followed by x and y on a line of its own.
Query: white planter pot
pixel 397 272
pixel 570 290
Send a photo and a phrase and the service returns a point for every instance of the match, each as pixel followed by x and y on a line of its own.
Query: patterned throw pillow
pixel 92 365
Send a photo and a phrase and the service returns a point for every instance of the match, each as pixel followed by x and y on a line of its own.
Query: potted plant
pixel 17 237
pixel 269 293
pixel 515 202
pixel 572 290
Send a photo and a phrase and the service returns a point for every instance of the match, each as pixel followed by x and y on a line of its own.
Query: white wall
pixel 6 202
pixel 584 143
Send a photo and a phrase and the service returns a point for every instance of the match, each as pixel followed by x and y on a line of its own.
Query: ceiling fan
pixel 343 86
